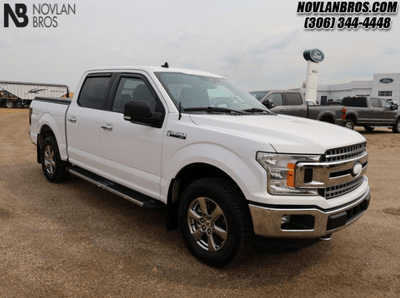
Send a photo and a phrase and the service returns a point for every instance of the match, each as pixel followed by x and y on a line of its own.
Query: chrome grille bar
pixel 344 153
pixel 334 175
pixel 335 191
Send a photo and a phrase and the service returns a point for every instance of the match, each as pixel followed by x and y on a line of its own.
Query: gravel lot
pixel 76 240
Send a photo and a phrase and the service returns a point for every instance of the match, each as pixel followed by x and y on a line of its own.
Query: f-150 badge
pixel 176 134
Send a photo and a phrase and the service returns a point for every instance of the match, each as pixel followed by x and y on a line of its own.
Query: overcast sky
pixel 258 44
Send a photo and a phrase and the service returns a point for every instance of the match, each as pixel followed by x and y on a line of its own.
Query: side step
pixel 122 191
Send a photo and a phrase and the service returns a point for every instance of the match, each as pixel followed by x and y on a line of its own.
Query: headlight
pixel 281 171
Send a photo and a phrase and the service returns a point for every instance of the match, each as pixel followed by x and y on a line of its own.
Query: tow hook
pixel 326 237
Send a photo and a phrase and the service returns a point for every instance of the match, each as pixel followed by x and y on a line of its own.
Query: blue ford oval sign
pixel 386 80
pixel 314 55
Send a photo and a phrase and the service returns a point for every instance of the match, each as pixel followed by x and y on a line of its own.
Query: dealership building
pixel 383 85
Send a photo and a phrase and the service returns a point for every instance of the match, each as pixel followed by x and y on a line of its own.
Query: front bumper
pixel 306 221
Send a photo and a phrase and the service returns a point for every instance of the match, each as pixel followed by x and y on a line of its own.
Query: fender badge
pixel 176 134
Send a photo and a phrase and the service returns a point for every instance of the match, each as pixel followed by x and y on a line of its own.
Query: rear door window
pixel 293 99
pixel 94 92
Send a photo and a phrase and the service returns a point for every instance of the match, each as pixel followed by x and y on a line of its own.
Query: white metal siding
pixel 30 90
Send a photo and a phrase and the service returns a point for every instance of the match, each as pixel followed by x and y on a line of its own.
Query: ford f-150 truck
pixel 371 112
pixel 223 166
pixel 292 102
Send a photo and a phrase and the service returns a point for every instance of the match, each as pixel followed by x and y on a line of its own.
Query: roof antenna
pixel 180 110
pixel 165 65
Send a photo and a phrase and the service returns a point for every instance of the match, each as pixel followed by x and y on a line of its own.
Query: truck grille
pixel 343 153
pixel 340 155
pixel 338 190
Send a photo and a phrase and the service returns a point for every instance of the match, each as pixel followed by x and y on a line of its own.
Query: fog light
pixel 285 219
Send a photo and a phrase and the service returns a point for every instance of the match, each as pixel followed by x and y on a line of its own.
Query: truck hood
pixel 287 134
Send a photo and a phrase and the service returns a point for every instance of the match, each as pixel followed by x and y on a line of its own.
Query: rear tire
pixel 10 103
pixel 54 169
pixel 214 221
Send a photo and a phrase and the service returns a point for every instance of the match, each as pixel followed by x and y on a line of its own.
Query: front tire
pixel 54 169
pixel 214 221
pixel 349 124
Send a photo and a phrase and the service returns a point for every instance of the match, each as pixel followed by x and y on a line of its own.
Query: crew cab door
pixel 289 103
pixel 295 105
pixel 83 122
pixel 131 152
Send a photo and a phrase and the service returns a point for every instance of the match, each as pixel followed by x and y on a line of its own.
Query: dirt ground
pixel 76 240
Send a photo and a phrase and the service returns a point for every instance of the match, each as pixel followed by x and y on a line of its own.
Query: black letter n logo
pixel 20 11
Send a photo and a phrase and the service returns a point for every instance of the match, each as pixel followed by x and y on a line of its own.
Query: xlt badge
pixel 176 134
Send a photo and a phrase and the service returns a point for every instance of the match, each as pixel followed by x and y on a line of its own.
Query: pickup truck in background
pixel 194 143
pixel 371 112
pixel 291 102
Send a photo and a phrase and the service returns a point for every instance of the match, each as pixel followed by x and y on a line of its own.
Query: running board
pixel 133 196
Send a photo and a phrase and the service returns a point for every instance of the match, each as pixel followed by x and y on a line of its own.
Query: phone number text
pixel 382 23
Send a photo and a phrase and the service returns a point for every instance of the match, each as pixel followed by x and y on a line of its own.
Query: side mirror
pixel 393 106
pixel 268 103
pixel 139 111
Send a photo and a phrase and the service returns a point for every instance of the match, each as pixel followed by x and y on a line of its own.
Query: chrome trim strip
pixel 322 172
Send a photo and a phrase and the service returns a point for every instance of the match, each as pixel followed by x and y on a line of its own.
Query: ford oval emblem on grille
pixel 356 170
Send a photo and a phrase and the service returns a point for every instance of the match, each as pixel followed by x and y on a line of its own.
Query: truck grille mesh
pixel 343 154
pixel 338 190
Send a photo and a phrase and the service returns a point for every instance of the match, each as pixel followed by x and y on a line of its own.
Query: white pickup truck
pixel 223 166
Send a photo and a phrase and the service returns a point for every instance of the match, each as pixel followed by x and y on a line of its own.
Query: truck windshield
pixel 207 94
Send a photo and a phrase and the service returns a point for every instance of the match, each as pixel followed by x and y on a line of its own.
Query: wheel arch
pixel 187 175
pixel 352 117
pixel 327 118
pixel 45 131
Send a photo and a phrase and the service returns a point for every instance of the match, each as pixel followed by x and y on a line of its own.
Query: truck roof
pixel 154 69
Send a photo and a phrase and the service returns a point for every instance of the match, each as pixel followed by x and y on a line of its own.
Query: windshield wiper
pixel 215 110
pixel 257 110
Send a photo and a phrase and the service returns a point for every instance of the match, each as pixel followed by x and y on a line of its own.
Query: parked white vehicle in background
pixel 224 167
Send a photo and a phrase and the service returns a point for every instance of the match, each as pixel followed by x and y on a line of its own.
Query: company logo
pixel 314 55
pixel 43 15
pixel 356 171
pixel 386 80
pixel 36 90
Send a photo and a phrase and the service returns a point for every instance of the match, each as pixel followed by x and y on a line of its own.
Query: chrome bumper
pixel 306 222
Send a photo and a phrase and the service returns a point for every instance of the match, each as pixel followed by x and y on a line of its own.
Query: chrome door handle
pixel 107 126
pixel 72 119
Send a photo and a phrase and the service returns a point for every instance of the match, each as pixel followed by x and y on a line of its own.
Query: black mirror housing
pixel 139 111
pixel 268 104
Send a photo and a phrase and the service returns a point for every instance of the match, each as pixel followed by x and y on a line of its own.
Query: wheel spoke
pixel 221 233
pixel 193 215
pixel 211 243
pixel 197 234
pixel 203 205
pixel 216 213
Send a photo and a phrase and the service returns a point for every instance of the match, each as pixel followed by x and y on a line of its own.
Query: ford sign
pixel 386 80
pixel 314 55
